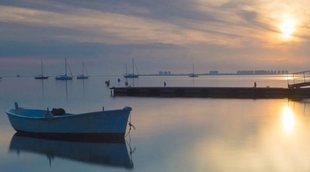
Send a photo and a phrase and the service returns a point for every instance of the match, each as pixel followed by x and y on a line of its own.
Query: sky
pixel 224 35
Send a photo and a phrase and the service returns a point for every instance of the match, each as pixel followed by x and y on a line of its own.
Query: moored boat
pixel 65 76
pixel 41 76
pixel 193 75
pixel 131 75
pixel 111 123
pixel 82 76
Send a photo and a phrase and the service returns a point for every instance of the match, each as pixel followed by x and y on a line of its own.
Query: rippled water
pixel 172 134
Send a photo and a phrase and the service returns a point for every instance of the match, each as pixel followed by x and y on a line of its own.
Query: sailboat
pixel 131 75
pixel 193 75
pixel 65 76
pixel 82 76
pixel 41 76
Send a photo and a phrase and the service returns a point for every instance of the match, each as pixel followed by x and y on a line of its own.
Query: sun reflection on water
pixel 288 119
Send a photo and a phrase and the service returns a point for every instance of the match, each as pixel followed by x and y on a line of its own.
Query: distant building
pixel 213 72
pixel 164 72
pixel 261 72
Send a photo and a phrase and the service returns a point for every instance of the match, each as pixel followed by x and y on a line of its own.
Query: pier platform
pixel 213 92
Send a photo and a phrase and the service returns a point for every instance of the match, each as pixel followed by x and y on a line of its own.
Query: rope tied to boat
pixel 131 126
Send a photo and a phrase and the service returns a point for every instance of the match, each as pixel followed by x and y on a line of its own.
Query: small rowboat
pixel 111 123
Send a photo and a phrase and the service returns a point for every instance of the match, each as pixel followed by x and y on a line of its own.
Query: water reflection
pixel 108 152
pixel 288 119
pixel 67 94
pixel 42 87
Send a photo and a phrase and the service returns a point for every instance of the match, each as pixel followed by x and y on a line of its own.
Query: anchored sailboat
pixel 83 75
pixel 193 75
pixel 131 75
pixel 65 76
pixel 41 76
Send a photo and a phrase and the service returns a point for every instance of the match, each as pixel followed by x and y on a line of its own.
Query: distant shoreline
pixel 220 74
pixel 157 75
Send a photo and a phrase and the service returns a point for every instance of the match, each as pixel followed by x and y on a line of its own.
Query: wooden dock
pixel 213 92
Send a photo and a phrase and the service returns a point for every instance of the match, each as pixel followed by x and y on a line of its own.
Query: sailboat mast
pixel 41 67
pixel 126 70
pixel 133 66
pixel 82 68
pixel 66 66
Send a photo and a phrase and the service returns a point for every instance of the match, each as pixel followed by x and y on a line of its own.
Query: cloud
pixel 211 32
pixel 168 25
pixel 96 25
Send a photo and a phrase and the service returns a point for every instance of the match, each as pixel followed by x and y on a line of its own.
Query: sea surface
pixel 172 134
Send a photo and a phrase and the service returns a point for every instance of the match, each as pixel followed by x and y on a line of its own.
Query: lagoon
pixel 172 134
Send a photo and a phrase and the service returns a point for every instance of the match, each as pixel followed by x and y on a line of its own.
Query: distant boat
pixel 58 122
pixel 193 75
pixel 131 75
pixel 65 76
pixel 107 152
pixel 41 76
pixel 82 76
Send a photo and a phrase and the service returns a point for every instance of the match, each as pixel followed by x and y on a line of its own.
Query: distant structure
pixel 213 72
pixel 261 72
pixel 164 73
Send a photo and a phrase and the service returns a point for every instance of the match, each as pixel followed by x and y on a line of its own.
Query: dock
pixel 298 88
pixel 213 92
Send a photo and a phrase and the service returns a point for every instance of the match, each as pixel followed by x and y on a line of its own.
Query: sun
pixel 288 27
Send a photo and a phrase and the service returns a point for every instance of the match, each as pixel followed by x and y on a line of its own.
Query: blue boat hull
pixel 111 123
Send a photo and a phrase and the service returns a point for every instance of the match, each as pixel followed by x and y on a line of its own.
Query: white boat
pixel 41 76
pixel 107 152
pixel 83 75
pixel 109 123
pixel 131 75
pixel 65 76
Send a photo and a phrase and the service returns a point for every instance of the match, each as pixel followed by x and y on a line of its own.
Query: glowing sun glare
pixel 288 119
pixel 288 27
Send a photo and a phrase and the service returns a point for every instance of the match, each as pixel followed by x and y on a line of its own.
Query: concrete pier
pixel 213 92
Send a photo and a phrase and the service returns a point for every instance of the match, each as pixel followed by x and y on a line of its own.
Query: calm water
pixel 172 134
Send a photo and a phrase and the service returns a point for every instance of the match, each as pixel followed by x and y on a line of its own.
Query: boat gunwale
pixel 67 115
